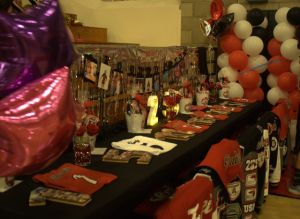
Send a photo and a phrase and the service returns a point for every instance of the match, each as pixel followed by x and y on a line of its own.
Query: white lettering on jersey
pixel 94 182
pixel 251 164
pixel 261 158
pixel 249 208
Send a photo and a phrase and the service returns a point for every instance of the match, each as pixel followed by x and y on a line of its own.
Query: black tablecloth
pixel 134 181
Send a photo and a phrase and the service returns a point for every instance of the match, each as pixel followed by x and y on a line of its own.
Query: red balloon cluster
pixel 287 81
pixel 238 60
pixel 230 43
pixel 279 67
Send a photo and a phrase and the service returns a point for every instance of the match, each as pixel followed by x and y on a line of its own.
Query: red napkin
pixel 232 109
pixel 242 100
pixel 201 114
pixel 181 125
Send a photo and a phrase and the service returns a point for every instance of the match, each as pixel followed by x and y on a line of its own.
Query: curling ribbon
pixel 267 63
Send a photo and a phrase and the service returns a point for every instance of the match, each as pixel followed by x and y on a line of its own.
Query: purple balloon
pixel 36 40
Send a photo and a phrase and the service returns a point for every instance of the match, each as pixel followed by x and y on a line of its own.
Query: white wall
pixel 155 23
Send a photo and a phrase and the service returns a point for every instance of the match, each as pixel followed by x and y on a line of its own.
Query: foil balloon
pixel 205 27
pixel 37 124
pixel 36 39
pixel 223 25
pixel 216 9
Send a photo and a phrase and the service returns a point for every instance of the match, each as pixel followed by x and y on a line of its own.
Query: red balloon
pixel 216 9
pixel 238 60
pixel 294 97
pixel 231 31
pixel 274 47
pixel 255 93
pixel 230 43
pixel 248 79
pixel 37 124
pixel 277 68
pixel 287 81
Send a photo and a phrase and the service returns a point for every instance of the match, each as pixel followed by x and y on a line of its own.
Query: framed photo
pixel 118 78
pixel 90 68
pixel 104 76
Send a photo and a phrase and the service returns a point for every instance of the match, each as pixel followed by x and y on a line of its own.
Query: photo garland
pixel 90 68
pixel 131 78
pixel 104 76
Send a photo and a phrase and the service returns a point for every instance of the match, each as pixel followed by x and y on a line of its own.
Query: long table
pixel 134 182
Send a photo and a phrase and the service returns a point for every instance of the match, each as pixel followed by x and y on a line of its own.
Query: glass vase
pixel 170 113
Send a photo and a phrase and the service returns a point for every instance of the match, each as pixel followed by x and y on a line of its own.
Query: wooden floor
pixel 279 207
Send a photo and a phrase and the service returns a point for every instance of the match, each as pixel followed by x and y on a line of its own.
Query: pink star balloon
pixel 36 39
pixel 37 124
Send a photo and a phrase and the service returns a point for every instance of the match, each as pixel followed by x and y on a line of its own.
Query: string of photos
pixel 105 78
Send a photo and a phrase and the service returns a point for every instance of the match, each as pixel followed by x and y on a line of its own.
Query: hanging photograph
pixel 131 79
pixel 118 78
pixel 177 73
pixel 104 76
pixel 148 85
pixel 156 82
pixel 90 68
pixel 171 76
pixel 140 83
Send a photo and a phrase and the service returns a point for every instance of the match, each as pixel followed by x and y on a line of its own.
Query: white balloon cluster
pixel 283 46
pixel 230 61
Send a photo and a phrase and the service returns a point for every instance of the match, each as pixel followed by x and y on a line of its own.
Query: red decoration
pixel 172 101
pixel 255 93
pixel 231 43
pixel 238 60
pixel 287 81
pixel 277 68
pixel 294 97
pixel 81 131
pixel 92 129
pixel 216 9
pixel 248 79
pixel 274 47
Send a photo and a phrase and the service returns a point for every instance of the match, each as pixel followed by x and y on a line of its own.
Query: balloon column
pixel 241 61
pixel 284 75
pixel 38 116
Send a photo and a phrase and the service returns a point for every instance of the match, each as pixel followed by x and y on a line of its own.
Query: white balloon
pixel 284 31
pixel 243 29
pixel 275 93
pixel 295 66
pixel 259 82
pixel 280 15
pixel 272 80
pixel 235 90
pixel 240 12
pixel 222 60
pixel 289 49
pixel 264 24
pixel 253 45
pixel 228 72
pixel 254 61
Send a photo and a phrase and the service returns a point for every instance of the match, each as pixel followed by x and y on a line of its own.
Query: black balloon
pixel 223 25
pixel 293 16
pixel 260 32
pixel 297 33
pixel 255 16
